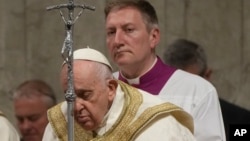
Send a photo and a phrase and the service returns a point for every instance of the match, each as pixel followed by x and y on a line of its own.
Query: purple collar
pixel 154 80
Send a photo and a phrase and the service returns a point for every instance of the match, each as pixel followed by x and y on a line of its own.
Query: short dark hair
pixel 182 53
pixel 147 10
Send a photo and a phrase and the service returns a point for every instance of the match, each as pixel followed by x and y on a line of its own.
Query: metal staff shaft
pixel 67 54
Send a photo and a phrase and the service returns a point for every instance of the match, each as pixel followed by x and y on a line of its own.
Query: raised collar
pixel 153 80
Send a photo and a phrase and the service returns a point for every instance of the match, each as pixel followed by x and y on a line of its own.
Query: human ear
pixel 208 74
pixel 112 86
pixel 154 37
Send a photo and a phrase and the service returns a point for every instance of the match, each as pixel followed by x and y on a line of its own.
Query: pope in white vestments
pixel 113 110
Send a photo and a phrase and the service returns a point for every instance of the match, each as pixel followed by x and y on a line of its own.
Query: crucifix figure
pixel 67 55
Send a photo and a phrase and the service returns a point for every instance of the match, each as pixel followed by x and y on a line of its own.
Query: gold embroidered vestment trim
pixel 126 128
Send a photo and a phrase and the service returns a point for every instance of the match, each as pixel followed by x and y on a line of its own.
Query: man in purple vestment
pixel 132 34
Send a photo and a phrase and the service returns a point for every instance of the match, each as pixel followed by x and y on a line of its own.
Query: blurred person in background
pixel 31 100
pixel 191 57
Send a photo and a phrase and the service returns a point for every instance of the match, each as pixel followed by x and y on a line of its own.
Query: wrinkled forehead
pixel 80 64
pixel 81 69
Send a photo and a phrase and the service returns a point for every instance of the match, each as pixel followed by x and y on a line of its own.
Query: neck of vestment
pixel 153 80
pixel 127 126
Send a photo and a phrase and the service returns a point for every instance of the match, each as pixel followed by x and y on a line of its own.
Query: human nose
pixel 118 37
pixel 26 124
pixel 79 105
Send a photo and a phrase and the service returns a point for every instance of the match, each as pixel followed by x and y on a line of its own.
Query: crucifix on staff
pixel 67 55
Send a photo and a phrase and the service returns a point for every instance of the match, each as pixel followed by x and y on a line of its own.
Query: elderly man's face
pixel 94 95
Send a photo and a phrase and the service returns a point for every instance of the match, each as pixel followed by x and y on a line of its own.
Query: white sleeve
pixel 49 134
pixel 199 98
pixel 208 119
pixel 7 131
pixel 166 129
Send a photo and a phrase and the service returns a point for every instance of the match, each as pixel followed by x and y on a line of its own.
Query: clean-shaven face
pixel 128 39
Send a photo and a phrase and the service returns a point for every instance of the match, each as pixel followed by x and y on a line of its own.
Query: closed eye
pixel 34 118
pixel 84 94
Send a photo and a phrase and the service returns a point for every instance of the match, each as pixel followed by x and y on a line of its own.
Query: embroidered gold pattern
pixel 125 128
pixel 1 114
pixel 163 109
pixel 59 125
